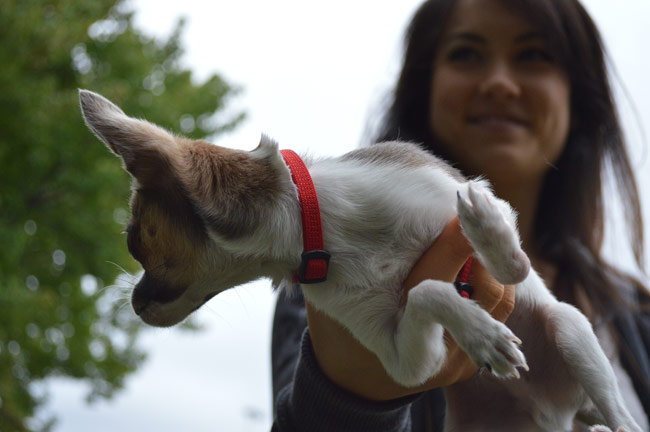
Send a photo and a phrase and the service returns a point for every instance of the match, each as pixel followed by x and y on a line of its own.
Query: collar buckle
pixel 313 267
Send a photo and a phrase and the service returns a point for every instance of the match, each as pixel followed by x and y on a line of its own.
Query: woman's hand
pixel 352 367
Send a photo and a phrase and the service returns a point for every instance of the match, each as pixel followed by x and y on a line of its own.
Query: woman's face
pixel 500 102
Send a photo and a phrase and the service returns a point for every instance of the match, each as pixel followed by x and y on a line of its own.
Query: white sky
pixel 310 72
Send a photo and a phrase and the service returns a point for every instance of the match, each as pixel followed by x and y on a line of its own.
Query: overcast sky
pixel 312 73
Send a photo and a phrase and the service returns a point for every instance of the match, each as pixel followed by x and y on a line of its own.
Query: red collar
pixel 462 284
pixel 315 260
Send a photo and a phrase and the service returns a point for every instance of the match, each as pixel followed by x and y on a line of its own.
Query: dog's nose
pixel 139 304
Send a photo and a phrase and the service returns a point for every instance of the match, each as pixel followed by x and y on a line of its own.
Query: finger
pixel 488 292
pixel 444 259
pixel 507 304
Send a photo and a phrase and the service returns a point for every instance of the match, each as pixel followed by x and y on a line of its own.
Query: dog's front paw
pixel 490 344
pixel 485 222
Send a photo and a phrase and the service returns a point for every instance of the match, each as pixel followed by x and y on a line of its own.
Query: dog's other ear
pixel 143 146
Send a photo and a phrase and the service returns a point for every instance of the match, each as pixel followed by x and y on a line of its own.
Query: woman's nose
pixel 500 83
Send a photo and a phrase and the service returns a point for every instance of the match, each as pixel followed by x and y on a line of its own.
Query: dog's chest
pixel 378 220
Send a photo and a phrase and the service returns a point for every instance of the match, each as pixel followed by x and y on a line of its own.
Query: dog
pixel 206 218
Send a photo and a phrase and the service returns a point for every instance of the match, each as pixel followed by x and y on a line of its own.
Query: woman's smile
pixel 497 123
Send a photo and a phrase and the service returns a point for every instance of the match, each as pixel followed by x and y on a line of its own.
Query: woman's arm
pixel 337 379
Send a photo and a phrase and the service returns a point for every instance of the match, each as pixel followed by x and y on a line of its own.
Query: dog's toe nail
pixel 488 367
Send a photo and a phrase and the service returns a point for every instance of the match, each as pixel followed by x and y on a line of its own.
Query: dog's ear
pixel 268 150
pixel 145 148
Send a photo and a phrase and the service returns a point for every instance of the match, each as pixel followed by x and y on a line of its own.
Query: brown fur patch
pixel 232 189
pixel 166 235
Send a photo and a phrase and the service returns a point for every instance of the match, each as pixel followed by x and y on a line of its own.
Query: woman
pixel 516 91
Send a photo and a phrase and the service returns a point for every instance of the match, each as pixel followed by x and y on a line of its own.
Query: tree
pixel 64 197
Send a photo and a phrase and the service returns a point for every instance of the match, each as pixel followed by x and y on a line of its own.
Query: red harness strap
pixel 315 260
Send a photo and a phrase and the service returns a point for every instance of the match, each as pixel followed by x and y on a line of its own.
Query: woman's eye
pixel 464 54
pixel 535 54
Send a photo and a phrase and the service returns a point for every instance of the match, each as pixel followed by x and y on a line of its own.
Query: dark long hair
pixel 569 225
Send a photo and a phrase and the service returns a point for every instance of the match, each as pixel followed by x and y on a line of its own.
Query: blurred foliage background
pixel 64 196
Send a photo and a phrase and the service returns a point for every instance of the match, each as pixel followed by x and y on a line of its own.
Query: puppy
pixel 206 218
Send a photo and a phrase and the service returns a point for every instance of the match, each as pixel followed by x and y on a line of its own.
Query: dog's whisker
pixel 123 294
pixel 112 287
pixel 125 304
pixel 126 281
pixel 118 266
pixel 104 289
pixel 213 311
pixel 242 301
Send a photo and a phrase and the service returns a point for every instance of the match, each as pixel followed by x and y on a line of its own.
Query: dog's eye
pixel 169 263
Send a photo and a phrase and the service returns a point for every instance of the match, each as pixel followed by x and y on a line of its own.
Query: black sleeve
pixel 306 400
pixel 289 323
pixel 633 328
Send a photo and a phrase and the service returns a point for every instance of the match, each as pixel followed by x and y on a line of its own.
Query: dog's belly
pixel 544 399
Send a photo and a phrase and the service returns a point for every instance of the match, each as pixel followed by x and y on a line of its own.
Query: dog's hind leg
pixel 586 361
pixel 490 225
